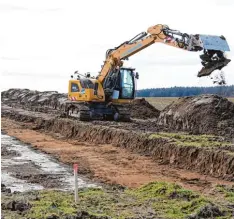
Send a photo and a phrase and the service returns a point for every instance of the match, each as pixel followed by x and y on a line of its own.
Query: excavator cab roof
pixel 129 68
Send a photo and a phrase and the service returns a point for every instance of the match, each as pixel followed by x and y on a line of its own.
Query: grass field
pixel 161 102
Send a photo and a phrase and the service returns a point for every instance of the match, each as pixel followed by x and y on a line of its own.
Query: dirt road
pixel 107 163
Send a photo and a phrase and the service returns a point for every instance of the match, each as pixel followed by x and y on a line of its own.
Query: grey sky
pixel 43 42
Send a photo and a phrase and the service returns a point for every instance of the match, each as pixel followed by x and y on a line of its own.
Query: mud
pixel 24 169
pixel 5 189
pixel 209 114
pixel 213 159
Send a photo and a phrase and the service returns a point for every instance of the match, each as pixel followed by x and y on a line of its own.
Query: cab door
pixel 127 84
pixel 74 90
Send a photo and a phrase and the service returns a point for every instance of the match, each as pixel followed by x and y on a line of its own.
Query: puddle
pixel 18 185
pixel 28 165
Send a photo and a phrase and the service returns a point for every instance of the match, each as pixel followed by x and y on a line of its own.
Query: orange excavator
pixel 108 95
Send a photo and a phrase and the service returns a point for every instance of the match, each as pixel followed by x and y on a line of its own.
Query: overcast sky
pixel 42 42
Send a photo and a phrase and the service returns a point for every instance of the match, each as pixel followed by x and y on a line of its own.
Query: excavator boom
pixel 213 48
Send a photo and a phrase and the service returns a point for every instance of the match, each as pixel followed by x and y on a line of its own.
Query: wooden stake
pixel 75 167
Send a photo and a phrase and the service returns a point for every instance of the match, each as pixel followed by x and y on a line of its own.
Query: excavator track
pixel 122 113
pixel 78 110
pixel 87 112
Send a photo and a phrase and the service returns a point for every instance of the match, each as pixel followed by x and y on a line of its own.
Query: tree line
pixel 227 91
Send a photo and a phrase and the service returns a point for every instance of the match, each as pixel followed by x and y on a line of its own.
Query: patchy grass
pixel 183 139
pixel 52 203
pixel 227 191
pixel 169 200
pixel 157 199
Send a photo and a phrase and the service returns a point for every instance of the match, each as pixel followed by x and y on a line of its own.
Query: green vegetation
pixel 183 139
pixel 228 192
pixel 164 200
pixel 52 202
pixel 169 200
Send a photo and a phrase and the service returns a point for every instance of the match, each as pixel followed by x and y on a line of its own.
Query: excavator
pixel 107 96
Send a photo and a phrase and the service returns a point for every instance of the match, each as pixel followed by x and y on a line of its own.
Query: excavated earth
pixel 205 114
pixel 209 114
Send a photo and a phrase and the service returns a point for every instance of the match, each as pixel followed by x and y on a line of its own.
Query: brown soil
pixel 213 160
pixel 142 109
pixel 107 163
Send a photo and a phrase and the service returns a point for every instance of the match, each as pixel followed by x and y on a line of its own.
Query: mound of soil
pixel 142 109
pixel 30 98
pixel 47 100
pixel 210 114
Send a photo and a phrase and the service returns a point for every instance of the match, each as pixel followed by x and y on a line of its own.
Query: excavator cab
pixel 127 83
pixel 120 85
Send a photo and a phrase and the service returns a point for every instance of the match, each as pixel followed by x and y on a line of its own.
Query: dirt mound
pixel 45 101
pixel 210 114
pixel 30 98
pixel 142 109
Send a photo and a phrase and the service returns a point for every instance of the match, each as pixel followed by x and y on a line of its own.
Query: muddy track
pixel 217 161
pixel 20 172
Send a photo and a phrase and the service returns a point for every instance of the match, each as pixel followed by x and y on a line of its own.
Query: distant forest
pixel 227 91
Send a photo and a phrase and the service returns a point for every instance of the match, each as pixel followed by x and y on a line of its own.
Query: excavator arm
pixel 213 48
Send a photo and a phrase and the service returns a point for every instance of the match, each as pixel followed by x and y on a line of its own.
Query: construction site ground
pixel 147 168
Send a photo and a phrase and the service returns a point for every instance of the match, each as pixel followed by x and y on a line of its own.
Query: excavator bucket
pixel 213 57
pixel 206 71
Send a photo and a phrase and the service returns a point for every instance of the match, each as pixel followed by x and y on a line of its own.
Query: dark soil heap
pixel 142 109
pixel 29 98
pixel 210 114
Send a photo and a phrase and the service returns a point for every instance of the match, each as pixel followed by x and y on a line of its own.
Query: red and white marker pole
pixel 75 167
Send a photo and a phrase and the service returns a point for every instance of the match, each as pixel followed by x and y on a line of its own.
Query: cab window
pixel 74 87
pixel 127 84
